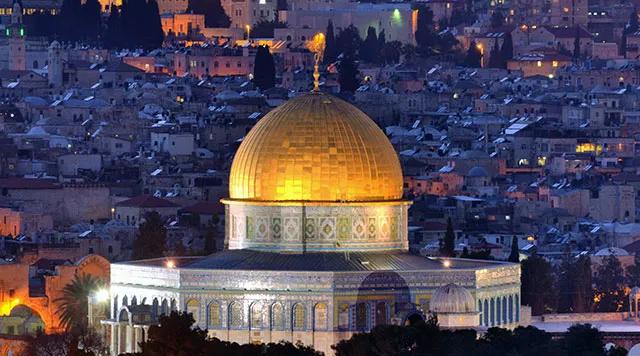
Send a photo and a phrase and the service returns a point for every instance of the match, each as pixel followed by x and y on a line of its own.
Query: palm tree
pixel 73 305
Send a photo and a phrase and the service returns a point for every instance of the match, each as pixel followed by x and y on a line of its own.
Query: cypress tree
pixel 214 14
pixel 330 51
pixel 151 239
pixel 70 23
pixel 514 256
pixel 348 74
pixel 264 72
pixel 449 243
pixel 426 38
pixel 369 51
pixel 507 48
pixel 90 20
pixel 154 33
pixel 473 57
pixel 495 58
pixel 113 33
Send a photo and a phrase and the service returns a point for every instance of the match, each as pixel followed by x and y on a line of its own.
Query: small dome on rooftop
pixel 612 251
pixel 452 298
pixel 478 172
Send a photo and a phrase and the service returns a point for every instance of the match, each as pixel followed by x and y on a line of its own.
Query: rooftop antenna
pixel 316 46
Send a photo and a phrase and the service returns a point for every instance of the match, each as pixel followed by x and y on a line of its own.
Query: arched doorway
pixel 22 320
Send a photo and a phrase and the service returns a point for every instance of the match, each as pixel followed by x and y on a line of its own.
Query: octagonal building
pixel 316 245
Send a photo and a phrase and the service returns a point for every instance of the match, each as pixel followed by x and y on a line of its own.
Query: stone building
pixel 317 248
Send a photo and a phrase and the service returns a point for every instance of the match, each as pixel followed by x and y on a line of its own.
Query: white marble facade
pixel 318 309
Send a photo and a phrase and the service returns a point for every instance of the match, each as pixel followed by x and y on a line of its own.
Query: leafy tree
pixel 474 56
pixel 495 58
pixel 449 242
pixel 70 20
pixel 537 284
pixel 113 36
pixel 264 70
pixel 73 304
pixel 152 238
pixel 369 50
pixel 391 51
pixel 174 336
pixel 426 38
pixel 90 20
pixel 265 29
pixel 609 283
pixel 42 24
pixel 507 48
pixel 214 15
pixel 348 74
pixel 497 20
pixel 514 256
pixel 348 41
pixel 633 273
pixel 575 285
pixel 583 340
pixel 42 344
pixel 330 49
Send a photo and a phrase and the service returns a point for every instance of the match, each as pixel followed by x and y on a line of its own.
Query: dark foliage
pixel 214 15
pixel 151 239
pixel 264 70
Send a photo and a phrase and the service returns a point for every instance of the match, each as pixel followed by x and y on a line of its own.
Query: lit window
pixel 539 63
pixel 298 316
pixel 554 63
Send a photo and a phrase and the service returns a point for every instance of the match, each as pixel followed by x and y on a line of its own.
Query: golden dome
pixel 316 147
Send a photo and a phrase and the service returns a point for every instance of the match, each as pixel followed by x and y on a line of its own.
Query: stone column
pixel 130 338
pixel 113 345
pixel 138 332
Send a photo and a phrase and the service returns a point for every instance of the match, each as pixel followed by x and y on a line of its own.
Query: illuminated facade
pixel 316 235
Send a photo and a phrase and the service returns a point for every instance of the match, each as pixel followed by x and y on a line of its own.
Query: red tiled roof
pixel 147 201
pixel 205 208
pixel 27 183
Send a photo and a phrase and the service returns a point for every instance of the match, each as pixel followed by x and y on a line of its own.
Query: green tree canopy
pixel 152 238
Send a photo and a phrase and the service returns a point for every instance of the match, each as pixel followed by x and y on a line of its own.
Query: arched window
pixel 164 310
pixel 343 316
pixel 193 307
pixel 214 315
pixel 480 311
pixel 381 314
pixel 320 317
pixel 498 311
pixel 155 309
pixel 361 316
pixel 257 316
pixel 297 317
pixel 277 317
pixel 174 305
pixel 235 315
